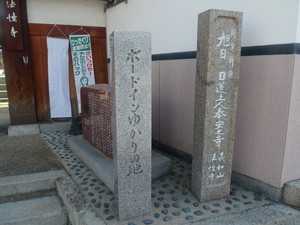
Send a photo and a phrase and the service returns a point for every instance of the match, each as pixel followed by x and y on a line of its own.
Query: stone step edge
pixel 27 183
pixel 79 210
pixel 39 211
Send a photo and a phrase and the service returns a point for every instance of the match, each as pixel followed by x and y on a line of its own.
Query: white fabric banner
pixel 82 58
pixel 58 77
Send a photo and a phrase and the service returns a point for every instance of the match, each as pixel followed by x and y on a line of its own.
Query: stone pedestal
pixel 218 60
pixel 97 130
pixel 131 121
pixel 103 166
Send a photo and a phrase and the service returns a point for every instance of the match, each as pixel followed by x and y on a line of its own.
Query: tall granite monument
pixel 131 121
pixel 116 127
pixel 218 60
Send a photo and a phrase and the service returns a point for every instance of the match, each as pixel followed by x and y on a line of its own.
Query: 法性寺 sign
pixel 12 28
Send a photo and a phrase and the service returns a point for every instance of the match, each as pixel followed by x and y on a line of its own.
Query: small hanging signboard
pixel 82 59
pixel 12 28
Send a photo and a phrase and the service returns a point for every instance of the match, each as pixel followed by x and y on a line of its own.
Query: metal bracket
pixel 25 60
pixel 112 3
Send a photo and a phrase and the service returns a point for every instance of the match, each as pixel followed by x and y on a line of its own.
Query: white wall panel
pixel 68 12
pixel 173 23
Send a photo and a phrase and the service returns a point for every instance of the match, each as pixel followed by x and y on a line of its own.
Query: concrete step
pixel 2 86
pixel 29 182
pixel 3 104
pixel 21 130
pixel 40 211
pixel 3 94
pixel 2 80
pixel 3 99
pixel 78 208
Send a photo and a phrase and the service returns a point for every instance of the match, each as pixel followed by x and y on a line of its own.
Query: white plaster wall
pixel 298 25
pixel 173 23
pixel 67 12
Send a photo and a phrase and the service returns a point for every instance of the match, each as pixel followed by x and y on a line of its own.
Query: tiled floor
pixel 172 201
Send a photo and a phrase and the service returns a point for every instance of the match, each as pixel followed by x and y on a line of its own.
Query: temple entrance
pixel 38 44
pixel 25 60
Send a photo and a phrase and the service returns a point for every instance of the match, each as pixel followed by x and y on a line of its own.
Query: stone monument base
pixel 103 166
pixel 20 130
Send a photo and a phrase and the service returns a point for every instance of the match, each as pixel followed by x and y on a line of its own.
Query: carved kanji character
pixel 11 4
pixel 220 175
pixel 211 176
pixel 221 157
pixel 133 81
pixel 12 18
pixel 218 140
pixel 136 107
pixel 220 88
pixel 224 40
pixel 133 94
pixel 13 32
pixel 134 120
pixel 214 157
pixel 212 168
pixel 219 124
pixel 135 169
pixel 134 146
pixel 222 76
pixel 135 158
pixel 223 53
pixel 220 167
pixel 220 113
pixel 133 133
pixel 132 56
pixel 231 61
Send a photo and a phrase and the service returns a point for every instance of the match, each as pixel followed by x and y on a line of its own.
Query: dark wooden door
pixel 17 61
pixel 38 35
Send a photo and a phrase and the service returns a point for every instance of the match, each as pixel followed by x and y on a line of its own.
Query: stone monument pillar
pixel 131 121
pixel 218 60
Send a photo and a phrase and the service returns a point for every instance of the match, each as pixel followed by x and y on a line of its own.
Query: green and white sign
pixel 82 59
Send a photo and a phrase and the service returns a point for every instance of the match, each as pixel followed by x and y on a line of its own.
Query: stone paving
pixel 172 201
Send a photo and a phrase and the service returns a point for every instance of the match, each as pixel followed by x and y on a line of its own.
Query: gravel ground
pixel 26 154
